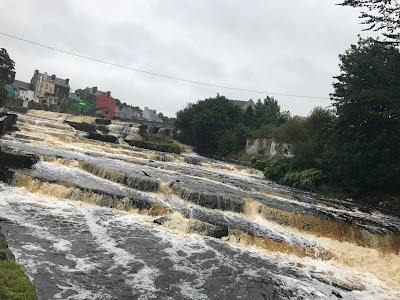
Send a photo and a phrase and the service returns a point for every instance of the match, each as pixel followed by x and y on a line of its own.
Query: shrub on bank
pixel 280 169
pixel 158 142
pixel 308 179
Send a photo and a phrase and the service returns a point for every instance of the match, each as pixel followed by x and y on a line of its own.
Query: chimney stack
pixel 45 76
pixel 108 94
pixel 53 77
pixel 94 89
pixel 36 72
pixel 67 81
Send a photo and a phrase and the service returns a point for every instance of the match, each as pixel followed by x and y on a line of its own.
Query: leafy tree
pixel 249 117
pixel 264 131
pixel 307 140
pixel 242 132
pixel 201 124
pixel 379 15
pixel 366 155
pixel 227 143
pixel 292 133
pixel 269 112
pixel 6 66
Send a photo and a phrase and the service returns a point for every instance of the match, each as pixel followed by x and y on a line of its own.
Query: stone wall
pixel 255 144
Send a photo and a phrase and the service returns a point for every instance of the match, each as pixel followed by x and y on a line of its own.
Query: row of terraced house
pixel 46 91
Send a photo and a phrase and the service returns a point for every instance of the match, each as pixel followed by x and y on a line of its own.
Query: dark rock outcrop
pixel 17 160
pixel 213 201
pixel 102 137
pixel 7 122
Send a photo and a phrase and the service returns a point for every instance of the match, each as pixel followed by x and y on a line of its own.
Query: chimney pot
pixel 94 89
pixel 66 80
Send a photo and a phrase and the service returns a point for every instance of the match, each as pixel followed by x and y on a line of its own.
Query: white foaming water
pixel 201 259
pixel 76 251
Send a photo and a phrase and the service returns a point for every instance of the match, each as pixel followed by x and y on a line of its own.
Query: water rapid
pixel 97 220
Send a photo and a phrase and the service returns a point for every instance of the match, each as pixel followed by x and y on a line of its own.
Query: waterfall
pixel 95 220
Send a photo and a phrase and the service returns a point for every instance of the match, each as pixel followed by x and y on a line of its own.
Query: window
pixel 51 90
pixel 46 86
pixel 106 112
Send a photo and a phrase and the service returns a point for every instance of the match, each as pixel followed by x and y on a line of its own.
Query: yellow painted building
pixel 44 89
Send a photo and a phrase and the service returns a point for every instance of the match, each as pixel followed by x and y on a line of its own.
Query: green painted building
pixel 82 106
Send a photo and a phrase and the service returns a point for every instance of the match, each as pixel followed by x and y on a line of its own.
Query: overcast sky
pixel 287 46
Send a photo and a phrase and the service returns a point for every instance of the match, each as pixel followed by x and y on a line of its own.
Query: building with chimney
pixel 89 94
pixel 49 89
pixel 106 105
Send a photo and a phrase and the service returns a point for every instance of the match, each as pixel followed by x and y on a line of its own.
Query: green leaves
pixel 203 123
pixel 366 155
pixel 379 15
pixel 6 66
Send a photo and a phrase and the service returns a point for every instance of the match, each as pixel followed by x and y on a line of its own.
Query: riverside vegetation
pixel 14 284
pixel 349 151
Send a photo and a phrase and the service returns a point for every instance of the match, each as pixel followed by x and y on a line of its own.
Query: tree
pixel 307 140
pixel 366 155
pixel 227 143
pixel 380 15
pixel 269 112
pixel 6 66
pixel 201 124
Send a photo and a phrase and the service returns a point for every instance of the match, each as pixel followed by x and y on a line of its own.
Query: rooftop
pixel 21 85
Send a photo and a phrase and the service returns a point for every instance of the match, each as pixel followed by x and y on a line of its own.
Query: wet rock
pixel 213 201
pixel 146 185
pixel 6 175
pixel 103 121
pixel 87 127
pixel 105 199
pixel 142 184
pixel 7 122
pixel 103 137
pixel 5 253
pixel 162 220
pixel 192 160
pixel 17 160
pixel 210 230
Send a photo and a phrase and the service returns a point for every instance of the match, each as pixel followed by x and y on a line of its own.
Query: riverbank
pixel 14 284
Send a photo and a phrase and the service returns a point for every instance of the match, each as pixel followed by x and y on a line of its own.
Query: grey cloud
pixel 279 46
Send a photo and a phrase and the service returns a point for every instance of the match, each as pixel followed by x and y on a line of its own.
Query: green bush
pixel 159 143
pixel 259 162
pixel 276 168
pixel 308 179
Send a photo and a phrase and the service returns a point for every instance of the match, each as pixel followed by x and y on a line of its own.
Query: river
pixel 82 222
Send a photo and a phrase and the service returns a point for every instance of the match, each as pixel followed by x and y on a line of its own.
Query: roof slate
pixel 239 103
pixel 57 80
pixel 21 85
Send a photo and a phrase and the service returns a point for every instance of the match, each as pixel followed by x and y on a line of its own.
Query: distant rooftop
pixel 57 80
pixel 239 103
pixel 21 85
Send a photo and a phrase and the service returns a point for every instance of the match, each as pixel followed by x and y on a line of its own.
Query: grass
pixel 159 143
pixel 14 285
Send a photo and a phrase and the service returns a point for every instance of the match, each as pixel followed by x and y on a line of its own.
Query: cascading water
pixel 94 220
